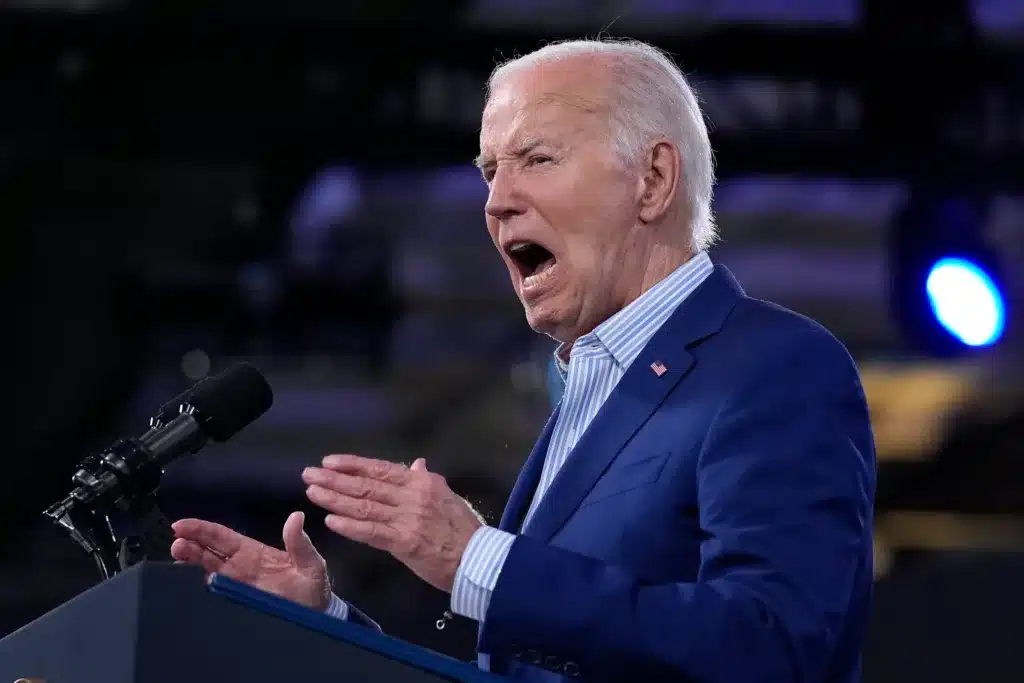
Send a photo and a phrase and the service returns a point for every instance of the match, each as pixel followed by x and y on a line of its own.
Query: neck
pixel 661 261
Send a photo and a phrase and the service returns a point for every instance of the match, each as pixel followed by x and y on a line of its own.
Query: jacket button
pixel 571 669
pixel 532 656
pixel 551 662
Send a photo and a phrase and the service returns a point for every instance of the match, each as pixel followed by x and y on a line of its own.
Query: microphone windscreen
pixel 227 402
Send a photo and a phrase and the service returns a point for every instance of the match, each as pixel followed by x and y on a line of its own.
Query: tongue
pixel 544 266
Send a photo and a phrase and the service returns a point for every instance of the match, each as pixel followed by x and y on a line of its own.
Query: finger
pixel 353 508
pixel 297 543
pixel 222 540
pixel 391 472
pixel 373 534
pixel 353 486
pixel 420 465
pixel 190 552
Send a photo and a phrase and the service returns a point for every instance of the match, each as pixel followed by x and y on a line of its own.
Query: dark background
pixel 186 184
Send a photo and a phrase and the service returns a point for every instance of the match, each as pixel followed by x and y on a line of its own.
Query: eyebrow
pixel 483 161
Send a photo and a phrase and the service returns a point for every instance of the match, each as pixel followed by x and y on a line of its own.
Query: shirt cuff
pixel 479 570
pixel 337 608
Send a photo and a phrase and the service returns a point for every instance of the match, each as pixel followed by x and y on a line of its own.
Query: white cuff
pixel 479 570
pixel 337 608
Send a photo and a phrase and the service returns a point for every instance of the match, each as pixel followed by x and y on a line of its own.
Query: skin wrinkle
pixel 589 106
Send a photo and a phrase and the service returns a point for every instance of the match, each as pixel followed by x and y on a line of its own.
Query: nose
pixel 503 200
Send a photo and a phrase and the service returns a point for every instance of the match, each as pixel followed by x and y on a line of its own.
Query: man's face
pixel 562 209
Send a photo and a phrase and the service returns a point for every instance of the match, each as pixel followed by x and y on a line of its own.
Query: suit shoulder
pixel 780 332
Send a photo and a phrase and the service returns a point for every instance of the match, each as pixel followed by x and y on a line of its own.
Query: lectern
pixel 161 623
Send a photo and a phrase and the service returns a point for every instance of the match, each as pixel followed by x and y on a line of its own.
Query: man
pixel 699 506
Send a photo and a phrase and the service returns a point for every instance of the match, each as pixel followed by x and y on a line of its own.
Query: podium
pixel 162 623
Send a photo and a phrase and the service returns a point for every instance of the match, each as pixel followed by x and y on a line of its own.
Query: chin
pixel 554 314
pixel 539 320
pixel 544 321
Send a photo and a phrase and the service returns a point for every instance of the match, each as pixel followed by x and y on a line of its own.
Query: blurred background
pixel 187 184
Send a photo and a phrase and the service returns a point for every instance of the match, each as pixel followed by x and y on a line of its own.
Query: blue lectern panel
pixel 361 636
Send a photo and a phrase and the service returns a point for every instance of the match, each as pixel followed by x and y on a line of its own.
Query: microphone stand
pixel 87 523
pixel 91 530
pixel 154 535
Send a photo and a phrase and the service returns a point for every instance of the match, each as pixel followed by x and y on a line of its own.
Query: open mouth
pixel 530 258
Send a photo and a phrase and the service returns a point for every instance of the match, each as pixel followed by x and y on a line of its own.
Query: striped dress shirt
pixel 597 362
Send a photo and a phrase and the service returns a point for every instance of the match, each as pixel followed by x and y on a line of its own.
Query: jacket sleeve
pixel 785 483
pixel 339 609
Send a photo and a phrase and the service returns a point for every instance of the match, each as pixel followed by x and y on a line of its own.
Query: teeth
pixel 519 246
pixel 546 272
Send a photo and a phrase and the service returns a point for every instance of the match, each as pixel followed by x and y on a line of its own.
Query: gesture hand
pixel 298 573
pixel 408 512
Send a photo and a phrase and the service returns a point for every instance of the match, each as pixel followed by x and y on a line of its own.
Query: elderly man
pixel 699 506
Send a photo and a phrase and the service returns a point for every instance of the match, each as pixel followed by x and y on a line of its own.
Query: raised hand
pixel 298 573
pixel 408 512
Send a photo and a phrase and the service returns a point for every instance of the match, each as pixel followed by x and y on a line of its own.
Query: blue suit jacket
pixel 713 524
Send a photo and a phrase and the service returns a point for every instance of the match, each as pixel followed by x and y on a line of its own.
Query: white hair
pixel 652 100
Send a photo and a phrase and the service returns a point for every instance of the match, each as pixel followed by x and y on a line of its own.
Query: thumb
pixel 297 543
pixel 419 465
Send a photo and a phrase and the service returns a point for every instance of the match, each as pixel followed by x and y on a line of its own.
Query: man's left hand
pixel 408 512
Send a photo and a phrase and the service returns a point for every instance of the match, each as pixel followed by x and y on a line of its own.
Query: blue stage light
pixel 966 301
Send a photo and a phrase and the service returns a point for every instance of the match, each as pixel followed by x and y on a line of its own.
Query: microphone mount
pixel 122 480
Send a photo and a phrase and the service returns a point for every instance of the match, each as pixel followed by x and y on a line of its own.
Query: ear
pixel 662 174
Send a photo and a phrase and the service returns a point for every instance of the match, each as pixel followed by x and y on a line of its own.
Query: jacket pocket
pixel 626 477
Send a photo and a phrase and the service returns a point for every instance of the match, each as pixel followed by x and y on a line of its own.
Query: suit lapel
pixel 529 477
pixel 639 393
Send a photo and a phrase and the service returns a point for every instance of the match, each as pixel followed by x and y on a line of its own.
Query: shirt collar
pixel 624 335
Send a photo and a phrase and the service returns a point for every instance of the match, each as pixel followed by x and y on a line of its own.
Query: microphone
pixel 214 409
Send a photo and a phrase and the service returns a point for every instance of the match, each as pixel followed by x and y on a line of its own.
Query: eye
pixel 538 159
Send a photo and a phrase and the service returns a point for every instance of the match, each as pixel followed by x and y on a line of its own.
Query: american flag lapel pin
pixel 659 368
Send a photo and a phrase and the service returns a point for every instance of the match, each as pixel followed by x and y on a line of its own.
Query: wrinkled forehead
pixel 530 105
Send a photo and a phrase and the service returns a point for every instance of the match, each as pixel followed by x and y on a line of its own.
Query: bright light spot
pixel 966 301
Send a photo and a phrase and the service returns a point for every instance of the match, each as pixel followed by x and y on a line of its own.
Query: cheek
pixel 596 242
pixel 602 211
pixel 587 269
pixel 592 214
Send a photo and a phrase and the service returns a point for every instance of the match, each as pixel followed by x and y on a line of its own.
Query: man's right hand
pixel 298 573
